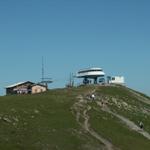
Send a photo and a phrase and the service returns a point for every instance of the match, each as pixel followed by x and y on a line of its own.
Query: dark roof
pixel 18 84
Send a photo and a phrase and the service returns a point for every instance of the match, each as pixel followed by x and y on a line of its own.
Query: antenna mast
pixel 45 81
pixel 42 69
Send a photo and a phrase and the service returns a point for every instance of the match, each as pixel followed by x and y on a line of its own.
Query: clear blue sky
pixel 74 34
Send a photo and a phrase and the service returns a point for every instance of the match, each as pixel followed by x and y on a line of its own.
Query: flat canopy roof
pixel 94 72
pixel 90 69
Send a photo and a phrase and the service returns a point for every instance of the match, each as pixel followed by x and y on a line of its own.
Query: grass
pixel 42 121
pixel 122 94
pixel 112 129
pixel 46 122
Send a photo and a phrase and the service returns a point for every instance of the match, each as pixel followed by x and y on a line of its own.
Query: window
pixel 113 78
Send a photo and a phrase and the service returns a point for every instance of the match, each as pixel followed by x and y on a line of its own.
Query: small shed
pixel 38 88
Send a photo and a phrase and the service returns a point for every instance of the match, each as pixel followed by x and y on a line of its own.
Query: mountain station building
pixel 26 87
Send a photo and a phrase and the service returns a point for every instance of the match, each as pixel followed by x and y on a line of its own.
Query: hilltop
pixel 68 119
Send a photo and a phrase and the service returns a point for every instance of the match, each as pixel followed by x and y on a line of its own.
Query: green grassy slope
pixel 42 121
pixel 47 122
pixel 135 110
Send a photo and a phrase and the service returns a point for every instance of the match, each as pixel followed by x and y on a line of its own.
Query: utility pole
pixel 71 80
pixel 42 69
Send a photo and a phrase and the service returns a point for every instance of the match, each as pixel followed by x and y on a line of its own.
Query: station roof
pixel 17 84
pixel 93 68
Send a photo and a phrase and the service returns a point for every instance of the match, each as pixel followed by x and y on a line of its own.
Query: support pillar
pixel 95 80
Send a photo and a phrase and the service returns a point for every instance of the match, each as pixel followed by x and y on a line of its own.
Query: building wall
pixel 21 89
pixel 10 91
pixel 38 89
pixel 117 80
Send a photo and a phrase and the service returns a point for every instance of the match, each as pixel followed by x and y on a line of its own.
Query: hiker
pixel 93 97
pixel 141 125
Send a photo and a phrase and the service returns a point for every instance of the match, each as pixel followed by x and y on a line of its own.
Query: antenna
pixel 71 80
pixel 42 69
pixel 45 81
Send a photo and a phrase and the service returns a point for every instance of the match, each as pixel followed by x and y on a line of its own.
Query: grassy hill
pixel 68 119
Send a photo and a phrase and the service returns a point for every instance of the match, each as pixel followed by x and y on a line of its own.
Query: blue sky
pixel 74 34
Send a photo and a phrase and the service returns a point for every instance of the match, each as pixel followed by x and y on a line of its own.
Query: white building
pixel 90 73
pixel 116 80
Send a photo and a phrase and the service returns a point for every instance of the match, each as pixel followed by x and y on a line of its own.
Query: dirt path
pixel 126 121
pixel 86 126
pixel 82 109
